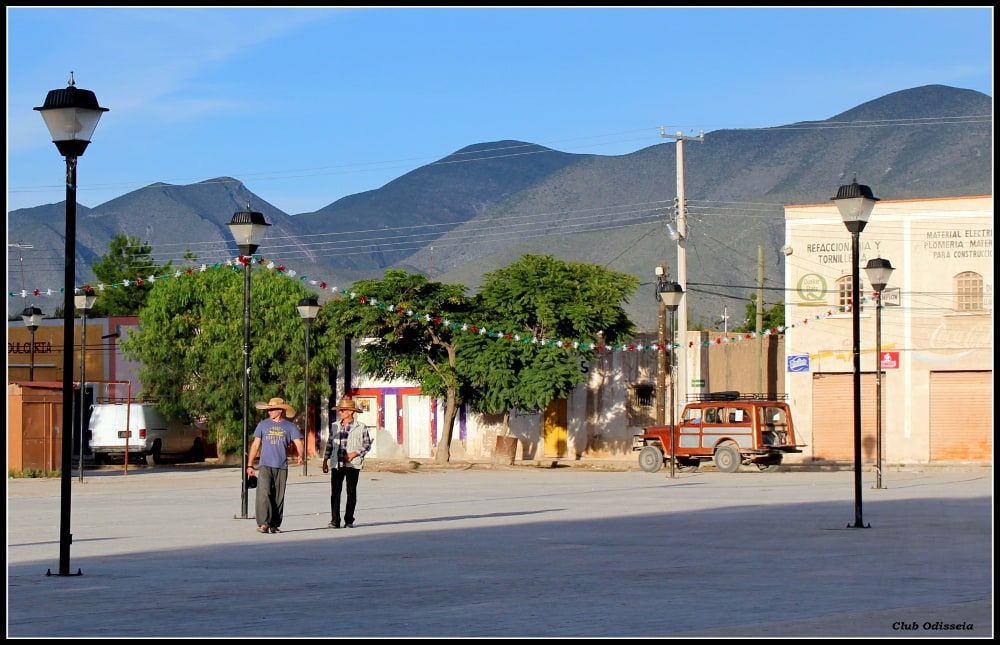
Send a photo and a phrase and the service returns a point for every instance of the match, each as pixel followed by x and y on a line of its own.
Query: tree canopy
pixel 124 270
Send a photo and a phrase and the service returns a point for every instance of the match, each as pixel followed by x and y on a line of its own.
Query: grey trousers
pixel 270 503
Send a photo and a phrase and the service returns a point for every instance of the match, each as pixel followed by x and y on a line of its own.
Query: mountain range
pixel 482 207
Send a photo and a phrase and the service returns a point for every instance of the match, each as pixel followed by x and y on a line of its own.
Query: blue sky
pixel 308 105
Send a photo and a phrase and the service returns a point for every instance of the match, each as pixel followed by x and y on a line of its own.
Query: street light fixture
pixel 84 302
pixel 248 228
pixel 878 270
pixel 32 317
pixel 671 294
pixel 308 308
pixel 855 202
pixel 71 115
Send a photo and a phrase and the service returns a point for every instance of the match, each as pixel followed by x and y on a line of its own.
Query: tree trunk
pixel 443 455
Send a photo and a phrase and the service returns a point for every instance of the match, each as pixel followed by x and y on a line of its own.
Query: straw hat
pixel 276 403
pixel 347 403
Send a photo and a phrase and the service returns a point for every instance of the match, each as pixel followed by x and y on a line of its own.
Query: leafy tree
pixel 772 317
pixel 549 313
pixel 190 347
pixel 125 270
pixel 410 329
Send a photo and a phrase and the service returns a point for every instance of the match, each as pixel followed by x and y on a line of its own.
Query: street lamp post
pixel 32 317
pixel 878 270
pixel 855 202
pixel 84 302
pixel 308 308
pixel 671 294
pixel 661 359
pixel 71 116
pixel 248 228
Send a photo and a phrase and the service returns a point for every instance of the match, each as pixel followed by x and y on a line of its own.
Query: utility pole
pixel 20 258
pixel 661 356
pixel 681 239
pixel 760 318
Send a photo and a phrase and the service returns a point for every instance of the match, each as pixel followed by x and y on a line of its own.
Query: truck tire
pixel 727 458
pixel 157 456
pixel 650 459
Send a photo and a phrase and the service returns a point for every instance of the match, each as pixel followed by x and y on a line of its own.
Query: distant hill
pixel 481 207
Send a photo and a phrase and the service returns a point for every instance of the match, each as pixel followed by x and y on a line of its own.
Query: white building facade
pixel 936 343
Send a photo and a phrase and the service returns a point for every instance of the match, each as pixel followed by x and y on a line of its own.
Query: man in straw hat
pixel 350 440
pixel 271 439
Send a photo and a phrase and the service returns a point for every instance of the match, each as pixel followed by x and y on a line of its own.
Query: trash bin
pixel 505 451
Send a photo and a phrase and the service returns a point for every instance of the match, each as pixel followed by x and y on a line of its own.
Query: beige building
pixel 936 341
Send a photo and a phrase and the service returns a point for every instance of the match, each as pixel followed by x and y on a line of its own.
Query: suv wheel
pixel 727 458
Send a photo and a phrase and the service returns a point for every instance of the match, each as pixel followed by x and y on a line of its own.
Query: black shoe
pixel 333 525
pixel 350 525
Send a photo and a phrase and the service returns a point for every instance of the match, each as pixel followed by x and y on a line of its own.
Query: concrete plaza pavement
pixel 481 551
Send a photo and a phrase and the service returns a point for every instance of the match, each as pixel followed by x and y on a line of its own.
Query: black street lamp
pixel 248 228
pixel 878 270
pixel 308 308
pixel 84 302
pixel 71 115
pixel 855 202
pixel 671 294
pixel 32 317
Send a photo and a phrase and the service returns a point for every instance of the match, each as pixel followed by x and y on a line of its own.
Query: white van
pixel 149 434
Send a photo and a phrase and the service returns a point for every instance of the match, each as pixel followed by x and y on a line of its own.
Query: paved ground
pixel 478 551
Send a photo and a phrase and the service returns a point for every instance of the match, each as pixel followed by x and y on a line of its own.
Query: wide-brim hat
pixel 274 403
pixel 347 403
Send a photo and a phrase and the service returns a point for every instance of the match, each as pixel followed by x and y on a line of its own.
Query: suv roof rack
pixel 733 395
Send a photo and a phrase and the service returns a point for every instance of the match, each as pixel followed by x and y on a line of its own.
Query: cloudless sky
pixel 308 105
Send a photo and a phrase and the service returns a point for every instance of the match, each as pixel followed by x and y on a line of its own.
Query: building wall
pixel 924 333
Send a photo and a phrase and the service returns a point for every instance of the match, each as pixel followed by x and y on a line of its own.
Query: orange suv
pixel 729 428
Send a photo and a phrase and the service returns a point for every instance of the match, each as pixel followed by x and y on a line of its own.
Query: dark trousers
pixel 270 501
pixel 337 477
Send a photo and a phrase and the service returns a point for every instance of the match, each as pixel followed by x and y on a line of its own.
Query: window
pixel 968 291
pixel 641 408
pixel 844 288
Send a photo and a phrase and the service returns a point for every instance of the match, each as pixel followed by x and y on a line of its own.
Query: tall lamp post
pixel 71 115
pixel 671 294
pixel 308 308
pixel 878 270
pixel 84 302
pixel 855 202
pixel 248 228
pixel 661 359
pixel 32 317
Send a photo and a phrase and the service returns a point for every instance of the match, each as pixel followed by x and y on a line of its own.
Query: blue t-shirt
pixel 275 437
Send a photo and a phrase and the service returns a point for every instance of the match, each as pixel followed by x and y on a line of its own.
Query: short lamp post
pixel 71 115
pixel 855 202
pixel 84 302
pixel 32 317
pixel 878 270
pixel 671 294
pixel 308 308
pixel 248 228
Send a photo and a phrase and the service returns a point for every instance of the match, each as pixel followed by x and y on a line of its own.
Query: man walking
pixel 349 443
pixel 271 439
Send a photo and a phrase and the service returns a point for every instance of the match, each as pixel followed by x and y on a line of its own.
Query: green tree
pixel 125 271
pixel 409 328
pixel 549 313
pixel 190 347
pixel 773 316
